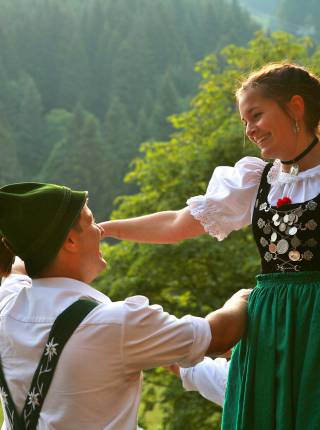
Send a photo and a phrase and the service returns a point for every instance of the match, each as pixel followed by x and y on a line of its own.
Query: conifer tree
pixel 79 160
pixel 29 128
pixel 10 170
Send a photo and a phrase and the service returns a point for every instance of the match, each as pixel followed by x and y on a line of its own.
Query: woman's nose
pixel 250 130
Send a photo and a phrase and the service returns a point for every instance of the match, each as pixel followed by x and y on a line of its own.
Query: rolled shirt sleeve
pixel 209 378
pixel 152 337
pixel 229 200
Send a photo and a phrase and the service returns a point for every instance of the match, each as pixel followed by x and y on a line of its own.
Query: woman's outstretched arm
pixel 159 227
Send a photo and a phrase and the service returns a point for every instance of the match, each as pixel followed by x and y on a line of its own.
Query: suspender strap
pixel 264 185
pixel 62 329
pixel 7 402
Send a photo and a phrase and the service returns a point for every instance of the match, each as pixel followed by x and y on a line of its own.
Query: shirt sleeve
pixel 229 200
pixel 209 378
pixel 152 337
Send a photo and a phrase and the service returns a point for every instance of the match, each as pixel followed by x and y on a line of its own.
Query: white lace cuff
pixel 229 200
pixel 213 222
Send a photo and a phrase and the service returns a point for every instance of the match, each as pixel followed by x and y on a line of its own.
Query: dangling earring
pixel 244 138
pixel 296 127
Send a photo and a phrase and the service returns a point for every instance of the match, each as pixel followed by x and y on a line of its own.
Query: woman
pixel 274 370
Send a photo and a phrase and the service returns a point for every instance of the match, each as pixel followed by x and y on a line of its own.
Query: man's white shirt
pixel 97 382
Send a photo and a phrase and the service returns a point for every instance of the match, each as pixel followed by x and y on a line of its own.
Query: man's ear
pixel 296 108
pixel 71 242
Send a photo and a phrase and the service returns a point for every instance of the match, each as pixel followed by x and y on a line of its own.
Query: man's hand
pixel 173 368
pixel 238 300
pixel 228 324
pixel 18 267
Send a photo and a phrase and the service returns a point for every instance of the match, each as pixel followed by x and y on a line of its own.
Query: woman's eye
pixel 257 115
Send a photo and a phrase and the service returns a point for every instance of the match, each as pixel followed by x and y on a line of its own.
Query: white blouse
pixel 230 197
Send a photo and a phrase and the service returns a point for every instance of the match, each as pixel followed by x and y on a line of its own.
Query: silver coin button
pixel 286 218
pixel 293 231
pixel 282 226
pixel 282 246
pixel 267 229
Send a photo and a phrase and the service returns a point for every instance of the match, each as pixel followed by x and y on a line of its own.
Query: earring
pixel 296 127
pixel 244 138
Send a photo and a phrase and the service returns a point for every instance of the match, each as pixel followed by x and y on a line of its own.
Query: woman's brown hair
pixel 282 81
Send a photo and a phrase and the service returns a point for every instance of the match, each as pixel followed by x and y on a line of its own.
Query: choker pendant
pixel 294 170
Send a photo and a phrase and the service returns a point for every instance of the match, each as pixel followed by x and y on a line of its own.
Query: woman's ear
pixel 296 108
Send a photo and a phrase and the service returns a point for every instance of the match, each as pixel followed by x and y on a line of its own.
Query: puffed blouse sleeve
pixel 229 200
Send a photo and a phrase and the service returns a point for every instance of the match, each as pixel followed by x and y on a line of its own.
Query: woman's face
pixel 267 125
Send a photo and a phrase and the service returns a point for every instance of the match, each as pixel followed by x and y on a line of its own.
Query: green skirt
pixel 274 377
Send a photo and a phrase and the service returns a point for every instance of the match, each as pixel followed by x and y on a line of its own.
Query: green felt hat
pixel 35 219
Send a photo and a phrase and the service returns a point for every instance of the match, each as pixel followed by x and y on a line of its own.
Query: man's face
pixel 92 261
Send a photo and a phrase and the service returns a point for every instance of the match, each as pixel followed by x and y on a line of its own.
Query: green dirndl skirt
pixel 274 377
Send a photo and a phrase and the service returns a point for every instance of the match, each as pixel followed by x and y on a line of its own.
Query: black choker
pixel 303 153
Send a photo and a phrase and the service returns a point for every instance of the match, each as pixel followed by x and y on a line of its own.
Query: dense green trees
pixel 84 83
pixel 129 63
pixel 294 16
pixel 300 18
pixel 194 276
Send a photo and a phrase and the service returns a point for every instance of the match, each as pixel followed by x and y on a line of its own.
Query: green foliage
pixel 81 146
pixel 10 170
pixel 194 276
pixel 127 62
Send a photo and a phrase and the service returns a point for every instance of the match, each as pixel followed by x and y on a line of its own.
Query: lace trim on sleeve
pixel 213 222
pixel 229 199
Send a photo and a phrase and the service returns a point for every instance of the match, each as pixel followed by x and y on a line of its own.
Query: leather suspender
pixel 62 329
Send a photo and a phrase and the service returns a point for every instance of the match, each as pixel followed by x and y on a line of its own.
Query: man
pixel 97 381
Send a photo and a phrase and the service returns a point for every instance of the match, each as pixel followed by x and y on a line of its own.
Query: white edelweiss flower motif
pixel 311 224
pixel 263 241
pixel 268 256
pixel 4 396
pixel 33 399
pixel 263 206
pixel 308 255
pixel 312 205
pixel 51 349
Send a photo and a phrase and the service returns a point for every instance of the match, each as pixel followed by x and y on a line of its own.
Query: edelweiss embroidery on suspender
pixel 47 367
pixel 61 331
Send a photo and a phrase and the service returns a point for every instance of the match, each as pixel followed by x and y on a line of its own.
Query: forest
pixel 88 82
pixel 133 101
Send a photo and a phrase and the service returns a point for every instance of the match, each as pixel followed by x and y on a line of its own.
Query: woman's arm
pixel 160 227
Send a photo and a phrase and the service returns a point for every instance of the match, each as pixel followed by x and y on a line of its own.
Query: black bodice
pixel 287 237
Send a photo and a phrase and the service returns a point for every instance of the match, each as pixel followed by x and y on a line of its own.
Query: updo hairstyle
pixel 282 81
